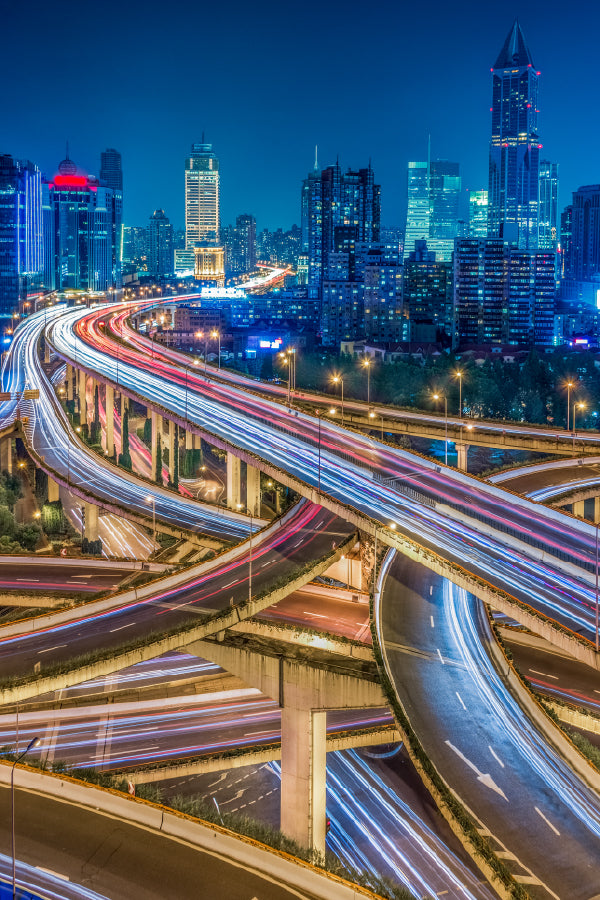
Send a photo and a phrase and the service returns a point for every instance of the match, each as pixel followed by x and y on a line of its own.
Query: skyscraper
pixel 81 216
pixel 548 206
pixel 341 208
pixel 514 162
pixel 244 244
pixel 21 247
pixel 427 295
pixel 202 203
pixel 433 206
pixel 160 245
pixel 583 260
pixel 111 171
pixel 478 214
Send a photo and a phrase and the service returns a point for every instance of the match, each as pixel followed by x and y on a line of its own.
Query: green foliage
pixel 10 489
pixel 125 455
pixel 147 433
pixel 7 522
pixel 28 536
pixel 52 518
pixel 158 477
pixel 94 548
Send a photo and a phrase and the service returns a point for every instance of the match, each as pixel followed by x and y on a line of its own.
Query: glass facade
pixel 21 241
pixel 548 209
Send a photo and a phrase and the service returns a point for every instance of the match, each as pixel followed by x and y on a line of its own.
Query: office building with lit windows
pixel 478 214
pixel 548 206
pixel 160 245
pixel 514 159
pixel 503 294
pixel 21 244
pixel 427 294
pixel 432 212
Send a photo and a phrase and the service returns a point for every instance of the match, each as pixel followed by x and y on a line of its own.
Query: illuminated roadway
pixel 549 565
pixel 52 438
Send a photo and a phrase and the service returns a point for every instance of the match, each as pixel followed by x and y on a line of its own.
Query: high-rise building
pixel 418 209
pixel 111 171
pixel 502 294
pixel 433 206
pixel 548 206
pixel 566 243
pixel 338 203
pixel 580 241
pixel 514 162
pixel 160 245
pixel 135 247
pixel 243 256
pixel 478 214
pixel 81 215
pixel 21 245
pixel 202 204
pixel 428 295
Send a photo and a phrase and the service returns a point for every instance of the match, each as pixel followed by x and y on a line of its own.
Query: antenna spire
pixel 316 158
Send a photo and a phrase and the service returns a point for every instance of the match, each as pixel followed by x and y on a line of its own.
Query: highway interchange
pixel 440 625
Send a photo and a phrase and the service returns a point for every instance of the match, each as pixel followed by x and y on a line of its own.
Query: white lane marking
pixel 496 757
pixel 441 657
pixel 462 703
pixel 432 622
pixel 430 590
pixel 483 778
pixel 28 579
pixel 547 821
pixel 231 583
pixel 52 872
pixel 596 692
pixel 83 576
pixel 121 627
pixel 544 674
pixel 268 563
pixel 48 649
pixel 314 615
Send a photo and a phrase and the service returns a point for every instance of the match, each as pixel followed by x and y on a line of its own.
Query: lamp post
pixel 241 507
pixel 576 406
pixel 367 365
pixel 151 499
pixel 34 743
pixel 217 334
pixel 286 361
pixel 373 415
pixel 337 379
pixel 569 386
pixel 439 397
pixel 319 444
pixel 459 375
pixel 597 608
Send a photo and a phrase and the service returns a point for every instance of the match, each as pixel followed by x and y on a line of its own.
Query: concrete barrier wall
pixel 241 851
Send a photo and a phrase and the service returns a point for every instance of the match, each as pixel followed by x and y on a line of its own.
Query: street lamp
pixel 286 362
pixel 34 743
pixel 458 374
pixel 337 379
pixel 373 415
pixel 151 499
pixel 367 365
pixel 217 334
pixel 445 398
pixel 241 508
pixel 576 406
pixel 569 386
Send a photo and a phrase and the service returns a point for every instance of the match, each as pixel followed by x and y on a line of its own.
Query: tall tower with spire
pixel 514 170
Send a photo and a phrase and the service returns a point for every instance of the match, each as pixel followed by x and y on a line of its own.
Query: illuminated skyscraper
pixel 21 248
pixel 514 164
pixel 418 210
pixel 202 203
pixel 432 209
pixel 478 214
pixel 160 245
pixel 111 175
pixel 548 207
pixel 111 171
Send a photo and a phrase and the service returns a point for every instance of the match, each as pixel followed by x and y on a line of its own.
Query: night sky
pixel 267 81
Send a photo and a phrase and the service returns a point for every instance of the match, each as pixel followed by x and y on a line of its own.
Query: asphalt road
pixel 68 577
pixel 123 861
pixel 309 533
pixel 478 738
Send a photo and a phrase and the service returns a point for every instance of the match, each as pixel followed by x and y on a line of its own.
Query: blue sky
pixel 267 81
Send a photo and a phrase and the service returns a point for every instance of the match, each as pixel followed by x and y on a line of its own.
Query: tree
pixel 176 460
pixel 125 455
pixel 147 436
pixel 158 472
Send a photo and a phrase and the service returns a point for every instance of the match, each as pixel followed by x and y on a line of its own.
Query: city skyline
pixel 387 116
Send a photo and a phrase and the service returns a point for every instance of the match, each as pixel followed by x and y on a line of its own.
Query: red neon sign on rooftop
pixel 70 181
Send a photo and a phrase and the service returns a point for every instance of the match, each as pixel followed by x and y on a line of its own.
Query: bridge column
pixel 253 490
pixel 234 491
pixel 90 528
pixel 156 436
pixel 46 351
pixel 82 385
pixel 189 440
pixel 462 451
pixel 53 493
pixel 6 455
pixel 303 776
pixel 596 510
pixel 172 450
pixel 69 381
pixel 109 410
pixel 579 509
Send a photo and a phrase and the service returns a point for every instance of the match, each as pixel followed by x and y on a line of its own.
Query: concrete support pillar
pixel 579 509
pixel 109 409
pixel 172 449
pixel 234 494
pixel 596 510
pixel 46 352
pixel 53 494
pixel 462 451
pixel 82 384
pixel 189 440
pixel 156 436
pixel 124 405
pixel 69 381
pixel 6 455
pixel 253 490
pixel 303 776
pixel 90 530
